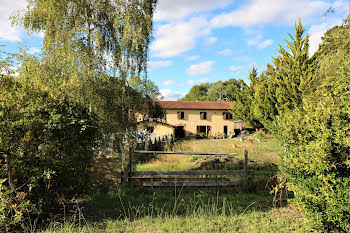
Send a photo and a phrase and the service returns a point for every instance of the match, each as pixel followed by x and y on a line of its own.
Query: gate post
pixel 129 150
pixel 245 164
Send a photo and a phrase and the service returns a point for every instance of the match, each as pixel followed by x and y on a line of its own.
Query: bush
pixel 46 149
pixel 317 138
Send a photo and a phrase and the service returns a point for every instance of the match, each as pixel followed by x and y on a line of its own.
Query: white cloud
pixel 193 82
pixel 235 68
pixel 171 10
pixel 174 39
pixel 200 69
pixel 7 32
pixel 265 44
pixel 269 11
pixel 243 58
pixel 159 64
pixel 34 50
pixel 318 30
pixel 168 82
pixel 211 40
pixel 255 40
pixel 225 52
pixel 171 95
pixel 192 58
pixel 258 42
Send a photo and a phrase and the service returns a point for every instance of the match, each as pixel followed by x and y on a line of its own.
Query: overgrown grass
pixel 167 163
pixel 263 156
pixel 265 150
pixel 184 209
pixel 277 220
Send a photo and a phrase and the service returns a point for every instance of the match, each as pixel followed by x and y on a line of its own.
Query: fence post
pixel 245 164
pixel 127 171
pixel 147 143
pixel 131 153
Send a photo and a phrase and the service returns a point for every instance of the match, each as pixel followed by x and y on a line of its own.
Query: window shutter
pixel 224 115
pixel 202 115
pixel 178 115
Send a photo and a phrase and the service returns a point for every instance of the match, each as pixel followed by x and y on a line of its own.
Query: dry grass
pixel 265 150
pixel 168 163
pixel 263 156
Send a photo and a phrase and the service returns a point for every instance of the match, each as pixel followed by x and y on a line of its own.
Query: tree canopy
pixel 218 91
pixel 103 34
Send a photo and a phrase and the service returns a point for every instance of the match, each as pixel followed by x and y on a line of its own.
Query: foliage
pixel 197 93
pixel 242 107
pixel 103 33
pixel 96 52
pixel 316 134
pixel 46 147
pixel 283 84
pixel 218 91
pixel 225 91
pixel 146 87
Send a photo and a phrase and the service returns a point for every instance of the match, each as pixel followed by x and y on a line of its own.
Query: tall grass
pixel 263 156
pixel 186 209
pixel 265 150
pixel 181 210
pixel 167 163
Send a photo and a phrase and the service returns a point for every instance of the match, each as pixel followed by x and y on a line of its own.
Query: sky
pixel 197 41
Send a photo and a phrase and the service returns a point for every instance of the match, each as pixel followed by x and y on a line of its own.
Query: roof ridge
pixel 214 105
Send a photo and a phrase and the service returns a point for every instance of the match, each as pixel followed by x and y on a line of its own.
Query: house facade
pixel 194 118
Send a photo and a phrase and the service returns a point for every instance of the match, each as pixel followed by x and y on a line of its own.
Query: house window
pixel 227 116
pixel 180 115
pixel 203 115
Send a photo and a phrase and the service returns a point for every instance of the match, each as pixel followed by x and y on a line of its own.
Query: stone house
pixel 193 118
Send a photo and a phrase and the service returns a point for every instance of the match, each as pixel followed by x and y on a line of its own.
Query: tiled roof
pixel 215 105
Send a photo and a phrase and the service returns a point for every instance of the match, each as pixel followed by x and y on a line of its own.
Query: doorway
pixel 203 130
pixel 179 131
pixel 225 130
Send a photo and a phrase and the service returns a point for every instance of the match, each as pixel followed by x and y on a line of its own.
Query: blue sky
pixel 196 41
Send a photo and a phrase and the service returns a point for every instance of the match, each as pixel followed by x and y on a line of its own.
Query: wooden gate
pixel 190 178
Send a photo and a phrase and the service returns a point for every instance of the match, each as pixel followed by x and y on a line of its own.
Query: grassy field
pixel 180 209
pixel 263 156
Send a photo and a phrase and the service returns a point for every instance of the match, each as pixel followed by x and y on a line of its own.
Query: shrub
pixel 46 148
pixel 317 138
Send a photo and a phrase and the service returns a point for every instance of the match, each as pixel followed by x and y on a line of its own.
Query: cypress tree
pixel 283 84
pixel 243 104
